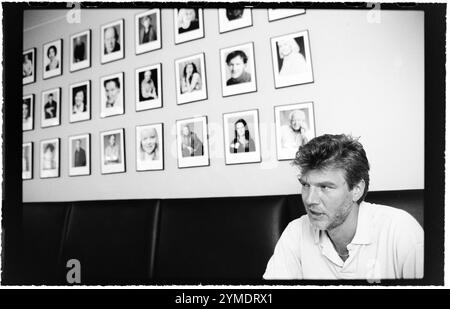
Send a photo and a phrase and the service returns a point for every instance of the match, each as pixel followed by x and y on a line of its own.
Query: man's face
pixel 50 97
pixel 110 40
pixel 77 145
pixel 327 198
pixel 146 22
pixel 111 92
pixel 297 120
pixel 79 98
pixel 24 111
pixel 237 66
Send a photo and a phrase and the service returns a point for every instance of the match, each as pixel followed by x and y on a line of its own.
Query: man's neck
pixel 342 235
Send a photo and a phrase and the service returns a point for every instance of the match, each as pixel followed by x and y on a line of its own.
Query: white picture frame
pixel 52 59
pixel 148 87
pixel 291 59
pixel 29 66
pixel 80 101
pixel 192 142
pixel 28 112
pixel 295 126
pixel 281 13
pixel 51 108
pixel 147 31
pixel 233 19
pixel 238 69
pixel 191 87
pixel 112 97
pixel 150 147
pixel 80 51
pixel 188 24
pixel 112 41
pixel 27 161
pixel 49 158
pixel 80 155
pixel 247 149
pixel 112 151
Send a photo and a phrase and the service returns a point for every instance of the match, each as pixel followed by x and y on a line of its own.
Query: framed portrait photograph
pixel 112 41
pixel 112 95
pixel 51 108
pixel 276 14
pixel 80 155
pixel 148 87
pixel 80 51
pixel 241 137
pixel 232 19
pixel 188 24
pixel 295 127
pixel 238 69
pixel 27 160
pixel 190 74
pixel 147 31
pixel 112 148
pixel 28 112
pixel 80 101
pixel 29 66
pixel 49 166
pixel 291 59
pixel 52 59
pixel 192 142
pixel 150 147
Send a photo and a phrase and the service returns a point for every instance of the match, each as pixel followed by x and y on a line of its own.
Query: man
pixel 237 63
pixel 111 40
pixel 293 135
pixel 112 90
pixel 343 237
pixel 146 33
pixel 80 155
pixel 79 50
pixel 50 107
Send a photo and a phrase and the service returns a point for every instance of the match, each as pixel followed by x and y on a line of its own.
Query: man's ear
pixel 358 190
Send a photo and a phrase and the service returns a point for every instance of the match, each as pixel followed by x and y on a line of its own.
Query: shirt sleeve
pixel 285 261
pixel 410 248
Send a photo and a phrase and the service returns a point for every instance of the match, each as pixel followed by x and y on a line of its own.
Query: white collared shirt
pixel 388 244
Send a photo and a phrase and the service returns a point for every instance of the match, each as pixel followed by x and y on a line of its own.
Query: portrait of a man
pixel 80 50
pixel 112 95
pixel 237 65
pixel 79 155
pixel 112 36
pixel 111 40
pixel 51 106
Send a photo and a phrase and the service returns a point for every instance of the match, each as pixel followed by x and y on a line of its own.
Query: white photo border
pixel 86 115
pixel 59 55
pixel 53 173
pixel 32 78
pixel 192 96
pixel 157 165
pixel 191 35
pixel 76 66
pixel 31 110
pixel 149 104
pixel 150 46
pixel 196 161
pixel 53 121
pixel 28 175
pixel 118 167
pixel 120 110
pixel 117 55
pixel 82 170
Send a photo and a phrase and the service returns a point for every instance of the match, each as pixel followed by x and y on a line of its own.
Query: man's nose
pixel 311 195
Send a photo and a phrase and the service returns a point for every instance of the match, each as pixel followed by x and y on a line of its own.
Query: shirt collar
pixel 363 235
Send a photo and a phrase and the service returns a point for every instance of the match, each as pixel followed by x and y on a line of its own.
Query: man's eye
pixel 325 188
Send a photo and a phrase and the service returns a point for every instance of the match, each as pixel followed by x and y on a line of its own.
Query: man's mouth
pixel 315 213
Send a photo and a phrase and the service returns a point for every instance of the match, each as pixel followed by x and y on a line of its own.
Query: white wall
pixel 368 81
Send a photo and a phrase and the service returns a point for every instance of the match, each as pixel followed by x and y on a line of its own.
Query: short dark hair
pixel 336 151
pixel 52 47
pixel 115 80
pixel 236 53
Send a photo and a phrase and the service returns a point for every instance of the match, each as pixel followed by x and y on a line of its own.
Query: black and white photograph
pixel 291 59
pixel 112 95
pixel 29 66
pixel 238 69
pixel 295 127
pixel 80 155
pixel 112 149
pixel 80 101
pixel 276 14
pixel 52 59
pixel 192 142
pixel 241 137
pixel 150 147
pixel 27 160
pixel 148 87
pixel 190 73
pixel 28 112
pixel 188 24
pixel 80 51
pixel 49 167
pixel 234 18
pixel 112 41
pixel 148 31
pixel 51 108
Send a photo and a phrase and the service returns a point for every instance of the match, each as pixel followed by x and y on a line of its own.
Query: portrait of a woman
pixel 79 101
pixel 149 145
pixel 53 60
pixel 27 65
pixel 187 20
pixel 112 154
pixel 190 79
pixel 292 61
pixel 49 162
pixel 242 141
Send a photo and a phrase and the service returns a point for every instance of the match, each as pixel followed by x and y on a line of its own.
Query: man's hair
pixel 115 80
pixel 336 151
pixel 236 53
